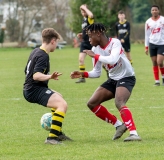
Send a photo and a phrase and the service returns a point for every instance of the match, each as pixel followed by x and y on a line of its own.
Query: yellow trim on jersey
pixel 44 70
pixel 123 21
pixel 43 49
pixel 90 20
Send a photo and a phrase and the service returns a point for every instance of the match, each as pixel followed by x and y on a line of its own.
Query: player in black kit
pixel 123 33
pixel 36 85
pixel 87 20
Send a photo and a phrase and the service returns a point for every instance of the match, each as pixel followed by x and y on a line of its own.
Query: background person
pixel 123 33
pixel 154 42
pixel 87 20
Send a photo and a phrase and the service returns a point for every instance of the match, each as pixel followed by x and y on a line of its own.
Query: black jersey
pixel 38 62
pixel 123 30
pixel 86 22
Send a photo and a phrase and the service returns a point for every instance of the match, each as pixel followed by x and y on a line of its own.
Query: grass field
pixel 22 138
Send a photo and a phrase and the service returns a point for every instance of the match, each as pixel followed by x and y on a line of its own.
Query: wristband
pixel 85 74
pixel 146 48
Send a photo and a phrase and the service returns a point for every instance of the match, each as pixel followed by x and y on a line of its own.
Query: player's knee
pixel 59 104
pixel 119 104
pixel 90 105
pixel 160 64
pixel 64 105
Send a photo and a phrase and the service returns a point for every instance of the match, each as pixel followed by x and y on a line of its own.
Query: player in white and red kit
pixel 154 42
pixel 109 51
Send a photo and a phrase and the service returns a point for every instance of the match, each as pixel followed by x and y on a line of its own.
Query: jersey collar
pixel 122 22
pixel 43 49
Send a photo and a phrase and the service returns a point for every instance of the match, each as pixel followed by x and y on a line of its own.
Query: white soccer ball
pixel 46 121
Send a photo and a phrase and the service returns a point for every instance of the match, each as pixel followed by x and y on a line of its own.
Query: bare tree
pixel 55 15
pixel 36 14
pixel 28 12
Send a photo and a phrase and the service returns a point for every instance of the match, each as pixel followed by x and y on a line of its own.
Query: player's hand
pixel 55 75
pixel 89 53
pixel 83 7
pixel 79 35
pixel 146 51
pixel 75 74
pixel 122 41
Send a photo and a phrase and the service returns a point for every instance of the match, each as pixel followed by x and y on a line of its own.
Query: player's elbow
pixel 98 75
pixel 36 76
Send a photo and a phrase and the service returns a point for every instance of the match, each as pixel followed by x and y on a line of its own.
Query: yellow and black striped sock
pixel 82 68
pixel 57 119
pixel 53 110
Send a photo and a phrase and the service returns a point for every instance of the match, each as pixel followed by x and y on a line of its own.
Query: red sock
pixel 156 72
pixel 162 71
pixel 127 118
pixel 101 112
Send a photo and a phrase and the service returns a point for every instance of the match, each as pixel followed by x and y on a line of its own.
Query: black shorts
pixel 126 46
pixel 127 82
pixel 38 95
pixel 85 45
pixel 156 49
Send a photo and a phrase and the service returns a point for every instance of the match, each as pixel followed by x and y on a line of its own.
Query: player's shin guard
pixel 101 112
pixel 127 118
pixel 57 119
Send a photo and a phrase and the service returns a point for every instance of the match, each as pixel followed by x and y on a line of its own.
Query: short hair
pixel 121 12
pixel 155 6
pixel 96 27
pixel 48 34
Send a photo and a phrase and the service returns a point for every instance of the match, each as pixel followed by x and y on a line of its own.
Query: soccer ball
pixel 46 121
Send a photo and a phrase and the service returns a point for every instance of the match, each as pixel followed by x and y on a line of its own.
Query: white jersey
pixel 114 60
pixel 154 31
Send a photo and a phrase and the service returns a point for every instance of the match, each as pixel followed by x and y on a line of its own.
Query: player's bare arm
pixel 146 51
pixel 89 53
pixel 122 41
pixel 89 13
pixel 38 76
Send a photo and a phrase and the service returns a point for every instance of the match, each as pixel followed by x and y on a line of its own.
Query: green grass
pixel 22 138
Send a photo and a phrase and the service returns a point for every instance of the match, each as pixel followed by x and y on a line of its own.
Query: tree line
pixel 65 17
